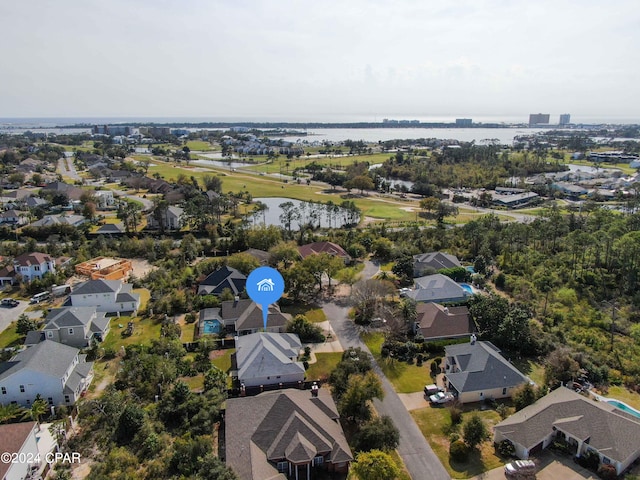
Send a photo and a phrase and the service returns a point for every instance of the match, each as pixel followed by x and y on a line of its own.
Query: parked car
pixel 520 468
pixel 442 397
pixel 9 302
pixel 432 389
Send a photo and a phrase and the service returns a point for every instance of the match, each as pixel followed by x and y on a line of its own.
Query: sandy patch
pixel 141 267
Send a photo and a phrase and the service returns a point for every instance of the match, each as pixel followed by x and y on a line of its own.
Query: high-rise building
pixel 565 119
pixel 538 119
pixel 464 122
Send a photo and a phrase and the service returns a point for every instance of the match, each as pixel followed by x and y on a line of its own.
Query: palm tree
pixel 38 408
pixel 10 412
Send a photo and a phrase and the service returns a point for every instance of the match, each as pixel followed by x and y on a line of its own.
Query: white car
pixel 520 467
pixel 442 397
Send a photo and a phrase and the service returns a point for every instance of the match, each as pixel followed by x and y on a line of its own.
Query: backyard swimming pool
pixel 210 327
pixel 624 407
pixel 467 288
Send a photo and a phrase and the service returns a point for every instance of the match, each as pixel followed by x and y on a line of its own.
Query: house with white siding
pixel 76 326
pixel 110 296
pixel 57 372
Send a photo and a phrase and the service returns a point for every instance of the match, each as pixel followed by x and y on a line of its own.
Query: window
pixel 481 394
pixel 319 460
pixel 50 400
pixel 606 461
pixel 504 391
pixel 28 402
pixel 21 388
pixel 283 467
pixel 66 398
pixel 36 268
pixel 71 331
pixel 4 390
pixel 49 334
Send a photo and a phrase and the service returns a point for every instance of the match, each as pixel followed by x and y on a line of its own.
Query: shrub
pixel 500 281
pixel 607 472
pixel 506 448
pixel 458 451
pixel 435 366
pixel 455 410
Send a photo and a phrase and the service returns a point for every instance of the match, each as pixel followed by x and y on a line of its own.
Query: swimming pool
pixel 211 326
pixel 467 288
pixel 624 407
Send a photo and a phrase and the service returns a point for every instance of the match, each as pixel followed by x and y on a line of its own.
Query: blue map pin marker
pixel 265 286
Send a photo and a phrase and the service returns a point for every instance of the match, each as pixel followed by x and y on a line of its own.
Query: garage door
pixel 535 450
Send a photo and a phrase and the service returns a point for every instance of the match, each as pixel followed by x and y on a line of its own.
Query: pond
pixel 300 212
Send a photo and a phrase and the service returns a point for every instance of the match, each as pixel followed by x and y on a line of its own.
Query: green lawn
pixel 188 332
pixel 145 329
pixel 432 422
pixel 223 361
pixel 324 365
pixel 195 384
pixel 531 368
pixel 199 145
pixel 405 378
pixel 314 315
pixel 621 393
pixel 9 337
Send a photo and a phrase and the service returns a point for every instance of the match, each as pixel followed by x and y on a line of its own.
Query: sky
pixel 322 60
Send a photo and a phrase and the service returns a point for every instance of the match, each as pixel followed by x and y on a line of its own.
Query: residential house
pixel 76 326
pixel 438 288
pixel 104 198
pixel 285 434
pixel 34 265
pixel 58 372
pixel 476 371
pixel 514 200
pixel 260 255
pixel 584 424
pixel 225 278
pixel 265 358
pixel 241 317
pixel 61 219
pixel 20 442
pixel 324 247
pixel 426 263
pixel 8 275
pixel 111 229
pixel 72 192
pixel 436 322
pixel 171 219
pixel 35 202
pixel 14 217
pixel 110 296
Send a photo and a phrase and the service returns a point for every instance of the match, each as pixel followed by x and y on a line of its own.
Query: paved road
pixel 370 270
pixel 71 172
pixel 416 453
pixel 147 204
pixel 8 315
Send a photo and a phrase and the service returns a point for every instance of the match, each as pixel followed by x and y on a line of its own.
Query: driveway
pixel 551 466
pixel 71 171
pixel 8 315
pixel 416 453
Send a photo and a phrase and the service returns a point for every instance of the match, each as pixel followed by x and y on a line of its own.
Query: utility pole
pixel 614 309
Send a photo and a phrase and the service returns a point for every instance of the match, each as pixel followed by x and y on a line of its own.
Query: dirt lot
pixel 141 267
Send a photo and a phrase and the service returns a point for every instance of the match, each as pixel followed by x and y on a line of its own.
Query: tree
pixel 290 214
pixel 560 367
pixel 429 205
pixel 129 423
pixel 354 403
pixel 215 379
pixel 354 362
pixel 361 182
pixel 375 465
pixel 524 396
pixel 243 262
pixel 378 434
pixel 25 324
pixel 38 408
pixel 307 331
pixel 298 282
pixel 368 297
pixel 474 431
pixel 10 412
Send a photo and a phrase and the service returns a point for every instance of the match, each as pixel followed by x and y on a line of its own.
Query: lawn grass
pixel 145 329
pixel 223 361
pixel 9 337
pixel 432 422
pixel 324 365
pixel 145 295
pixel 188 332
pixel 404 474
pixel 531 368
pixel 313 313
pixel 337 163
pixel 621 393
pixel 199 145
pixel 195 384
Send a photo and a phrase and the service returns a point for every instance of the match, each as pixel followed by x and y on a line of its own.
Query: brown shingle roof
pixel 323 247
pixel 34 258
pixel 12 438
pixel 435 321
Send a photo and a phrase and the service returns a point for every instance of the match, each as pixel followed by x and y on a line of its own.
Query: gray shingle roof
pixel 69 317
pixel 127 297
pixel 437 288
pixel 248 315
pixel 97 286
pixel 225 277
pixel 612 432
pixel 48 357
pixel 264 429
pixel 482 368
pixel 268 354
pixel 80 372
pixel 435 260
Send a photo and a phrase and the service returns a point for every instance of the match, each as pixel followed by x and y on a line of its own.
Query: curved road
pixel 416 453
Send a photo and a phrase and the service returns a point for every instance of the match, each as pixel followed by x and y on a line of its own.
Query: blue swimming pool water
pixel 466 287
pixel 210 327
pixel 624 407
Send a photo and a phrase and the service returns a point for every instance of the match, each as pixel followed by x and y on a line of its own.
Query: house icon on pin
pixel 265 285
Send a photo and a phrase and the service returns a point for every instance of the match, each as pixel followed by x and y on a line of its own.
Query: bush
pixel 435 366
pixel 455 410
pixel 506 448
pixel 500 281
pixel 607 472
pixel 458 451
pixel 307 331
